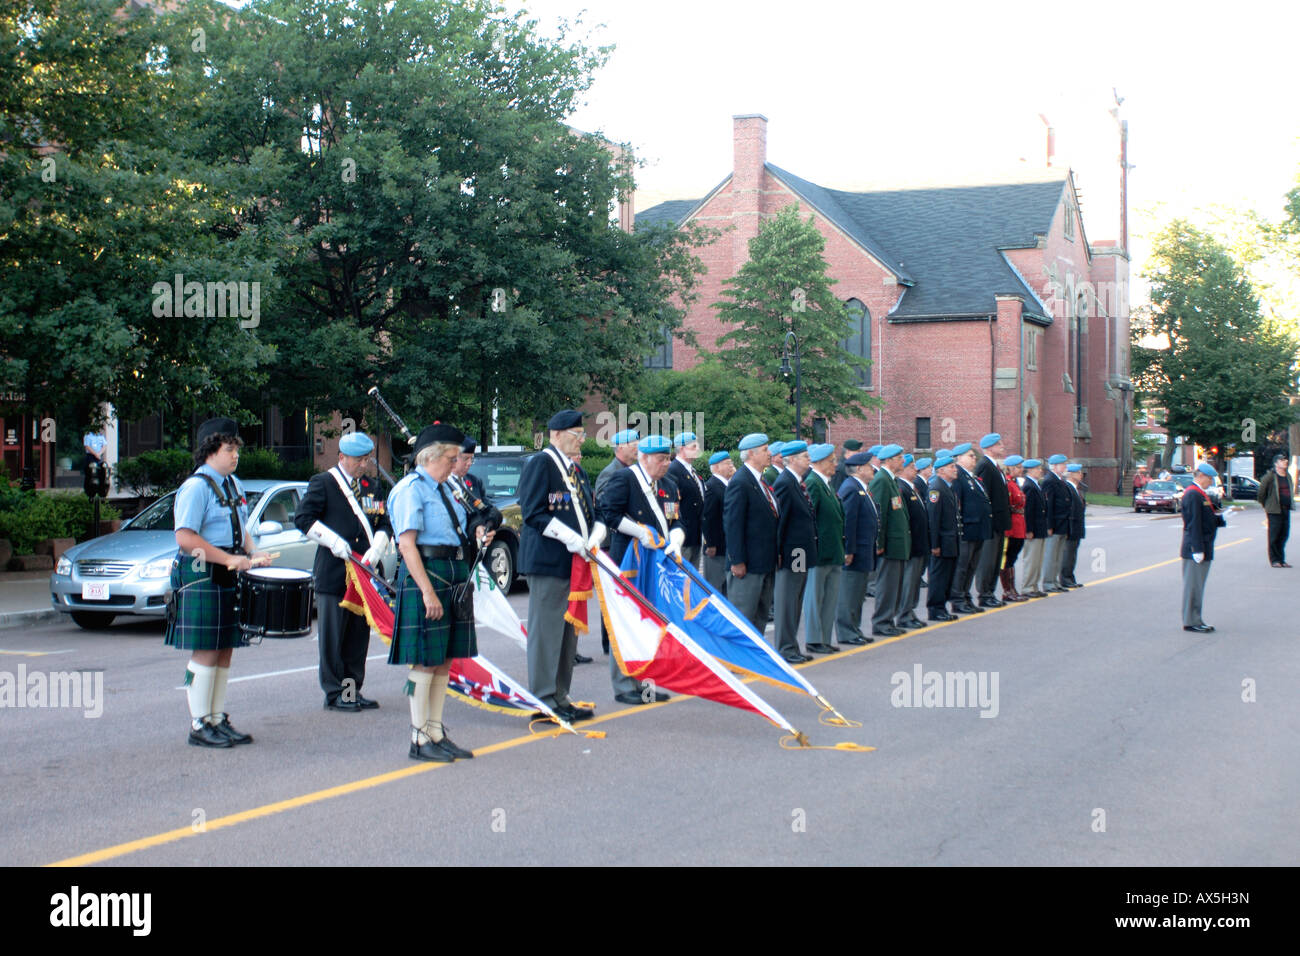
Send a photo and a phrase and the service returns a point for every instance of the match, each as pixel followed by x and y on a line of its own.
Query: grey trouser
pixel 889 593
pixel 715 572
pixel 1194 576
pixel 552 641
pixel 752 597
pixel 912 572
pixel 819 603
pixel 1052 559
pixel 788 603
pixel 967 555
pixel 1032 563
pixel 990 563
pixel 848 609
pixel 1069 555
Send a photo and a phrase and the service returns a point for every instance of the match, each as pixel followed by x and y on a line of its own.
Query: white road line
pixel 292 670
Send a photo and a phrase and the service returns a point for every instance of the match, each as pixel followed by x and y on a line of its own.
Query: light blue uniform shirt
pixel 95 442
pixel 198 509
pixel 414 503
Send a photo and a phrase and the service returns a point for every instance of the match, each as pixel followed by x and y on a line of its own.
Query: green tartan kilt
pixel 418 640
pixel 206 619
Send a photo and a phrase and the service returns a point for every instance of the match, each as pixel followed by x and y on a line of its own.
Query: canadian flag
pixel 651 648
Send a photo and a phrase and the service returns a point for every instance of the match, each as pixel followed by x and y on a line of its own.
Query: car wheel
pixel 93 620
pixel 500 562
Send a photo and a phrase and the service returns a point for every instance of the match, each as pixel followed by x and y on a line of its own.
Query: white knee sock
pixel 419 681
pixel 201 684
pixel 437 697
pixel 219 694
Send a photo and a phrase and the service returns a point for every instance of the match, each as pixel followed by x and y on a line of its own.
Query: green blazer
pixel 828 514
pixel 895 534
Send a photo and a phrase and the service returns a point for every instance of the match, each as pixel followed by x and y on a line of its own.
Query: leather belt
pixel 442 551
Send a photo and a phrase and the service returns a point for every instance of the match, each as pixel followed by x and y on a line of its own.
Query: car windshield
pixel 160 515
pixel 500 478
pixel 1153 486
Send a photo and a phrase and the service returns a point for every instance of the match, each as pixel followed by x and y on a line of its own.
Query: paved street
pixel 1113 738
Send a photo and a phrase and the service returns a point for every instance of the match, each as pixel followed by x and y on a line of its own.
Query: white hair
pixel 432 452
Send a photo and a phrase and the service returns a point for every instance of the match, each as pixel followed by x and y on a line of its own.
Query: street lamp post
pixel 798 382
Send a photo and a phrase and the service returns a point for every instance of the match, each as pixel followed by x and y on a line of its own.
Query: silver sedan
pixel 127 572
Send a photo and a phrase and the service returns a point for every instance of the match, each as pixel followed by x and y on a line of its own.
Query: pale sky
pixel 860 93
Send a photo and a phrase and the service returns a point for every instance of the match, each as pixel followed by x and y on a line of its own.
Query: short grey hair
pixel 432 452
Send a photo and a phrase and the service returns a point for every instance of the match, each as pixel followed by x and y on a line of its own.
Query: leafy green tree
pixel 784 287
pixel 98 203
pixel 1226 372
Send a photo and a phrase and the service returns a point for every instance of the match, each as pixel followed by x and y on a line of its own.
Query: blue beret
pixel 889 451
pixel 942 452
pixel 959 450
pixel 1013 460
pixel 989 440
pixel 858 460
pixel 1057 460
pixel 1074 467
pixel 874 449
pixel 1032 463
pixel 1206 468
pixel 627 437
pixel 654 445
pixel 907 460
pixel 564 420
pixel 356 444
pixel 777 447
pixel 794 447
pixel 820 452
pixel 943 461
pixel 685 438
pixel 718 456
pixel 752 440
pixel 923 463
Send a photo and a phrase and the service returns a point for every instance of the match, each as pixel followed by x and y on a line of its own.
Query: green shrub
pixel 155 472
pixel 259 463
pixel 301 470
pixel 595 457
pixel 38 516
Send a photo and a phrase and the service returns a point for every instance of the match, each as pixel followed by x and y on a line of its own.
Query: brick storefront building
pixel 981 307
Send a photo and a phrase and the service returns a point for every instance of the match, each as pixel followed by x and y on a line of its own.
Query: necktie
pixel 579 498
pixel 771 502
pixel 356 487
pixel 236 530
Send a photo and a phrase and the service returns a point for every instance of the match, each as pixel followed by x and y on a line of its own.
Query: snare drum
pixel 275 602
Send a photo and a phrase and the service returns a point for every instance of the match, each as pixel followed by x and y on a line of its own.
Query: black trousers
pixel 344 638
pixel 1279 529
pixel 1013 551
pixel 941 571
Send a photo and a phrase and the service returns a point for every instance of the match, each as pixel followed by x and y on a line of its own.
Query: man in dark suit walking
pixel 713 536
pixel 1201 522
pixel 945 536
pixel 861 523
pixel 330 514
pixel 749 516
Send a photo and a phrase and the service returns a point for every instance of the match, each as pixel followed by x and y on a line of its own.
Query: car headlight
pixel 64 566
pixel 157 569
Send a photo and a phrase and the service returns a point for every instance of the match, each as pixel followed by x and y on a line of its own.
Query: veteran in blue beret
pixel 945 524
pixel 893 541
pixel 851 446
pixel 822 595
pixel 1075 530
pixel 861 524
pixel 1057 499
pixel 749 518
pixel 690 492
pixel 333 515
pixel 796 533
pixel 914 568
pixel 1201 524
pixel 713 533
pixel 977 527
pixel 989 474
pixel 777 464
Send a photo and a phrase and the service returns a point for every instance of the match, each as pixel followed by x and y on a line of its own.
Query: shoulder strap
pixel 236 535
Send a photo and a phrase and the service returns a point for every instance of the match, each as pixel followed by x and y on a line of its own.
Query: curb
pixel 28 618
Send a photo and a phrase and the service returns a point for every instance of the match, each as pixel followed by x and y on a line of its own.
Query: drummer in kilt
pixel 430 528
pixel 211 517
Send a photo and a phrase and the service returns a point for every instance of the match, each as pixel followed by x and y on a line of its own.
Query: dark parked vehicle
pixel 500 473
pixel 1156 496
pixel 1244 487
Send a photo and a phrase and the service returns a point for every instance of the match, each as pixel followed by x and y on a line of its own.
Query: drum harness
pixel 236 536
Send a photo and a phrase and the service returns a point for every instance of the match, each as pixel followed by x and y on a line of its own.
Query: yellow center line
pixel 366 783
pixel 33 653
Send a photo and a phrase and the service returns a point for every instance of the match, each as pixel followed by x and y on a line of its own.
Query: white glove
pixel 597 537
pixel 1198 556
pixel 639 531
pixel 325 536
pixel 377 551
pixel 562 533
pixel 676 538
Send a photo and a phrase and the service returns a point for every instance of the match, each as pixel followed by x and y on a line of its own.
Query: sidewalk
pixel 25 599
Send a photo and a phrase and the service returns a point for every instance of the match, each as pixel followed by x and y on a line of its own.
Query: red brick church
pixel 981 307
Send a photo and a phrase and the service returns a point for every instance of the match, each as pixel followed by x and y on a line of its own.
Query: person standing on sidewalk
pixel 1277 495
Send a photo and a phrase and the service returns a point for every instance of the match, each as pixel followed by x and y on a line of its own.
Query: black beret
pixel 852 444
pixel 564 420
pixel 218 426
pixel 468 445
pixel 438 433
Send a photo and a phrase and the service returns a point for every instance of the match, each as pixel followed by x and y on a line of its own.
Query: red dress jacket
pixel 1017 510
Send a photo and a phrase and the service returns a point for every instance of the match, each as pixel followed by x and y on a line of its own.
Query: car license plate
pixel 94 591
